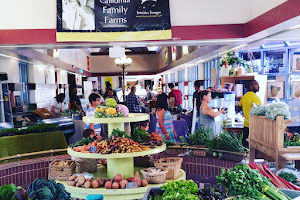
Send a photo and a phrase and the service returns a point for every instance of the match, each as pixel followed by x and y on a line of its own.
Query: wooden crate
pixel 267 136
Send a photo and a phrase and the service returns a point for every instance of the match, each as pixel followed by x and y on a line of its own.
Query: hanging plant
pixel 231 59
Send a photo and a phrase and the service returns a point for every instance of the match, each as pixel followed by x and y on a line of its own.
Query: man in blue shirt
pixel 133 104
pixel 132 101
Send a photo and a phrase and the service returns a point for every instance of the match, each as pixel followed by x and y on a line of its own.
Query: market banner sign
pixel 112 20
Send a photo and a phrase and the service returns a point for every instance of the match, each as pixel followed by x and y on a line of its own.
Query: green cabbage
pixel 111 102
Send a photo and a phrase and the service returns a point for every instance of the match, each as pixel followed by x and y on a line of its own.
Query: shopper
pixel 246 104
pixel 101 98
pixel 149 93
pixel 145 125
pixel 133 101
pixel 90 133
pixel 56 104
pixel 197 85
pixel 133 104
pixel 75 101
pixel 111 95
pixel 94 101
pixel 206 118
pixel 164 123
pixel 294 107
pixel 178 97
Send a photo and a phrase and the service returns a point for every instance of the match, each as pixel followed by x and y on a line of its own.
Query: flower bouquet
pixel 112 109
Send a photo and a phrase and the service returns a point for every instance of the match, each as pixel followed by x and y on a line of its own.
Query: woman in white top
pixel 56 104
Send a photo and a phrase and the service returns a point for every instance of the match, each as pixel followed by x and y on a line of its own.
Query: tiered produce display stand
pixel 117 163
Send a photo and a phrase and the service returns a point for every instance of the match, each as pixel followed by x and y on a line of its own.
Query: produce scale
pixel 119 163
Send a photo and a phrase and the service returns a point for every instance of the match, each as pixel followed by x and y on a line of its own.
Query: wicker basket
pixel 59 172
pixel 85 164
pixel 155 177
pixel 173 164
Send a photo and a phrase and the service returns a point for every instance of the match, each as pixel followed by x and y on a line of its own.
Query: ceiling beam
pixel 127 53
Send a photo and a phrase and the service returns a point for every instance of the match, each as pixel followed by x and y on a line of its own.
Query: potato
pixel 72 178
pixel 95 184
pixel 144 182
pixel 87 179
pixel 101 182
pixel 81 180
pixel 115 185
pixel 71 183
pixel 87 184
pixel 118 177
pixel 77 185
pixel 108 184
pixel 123 184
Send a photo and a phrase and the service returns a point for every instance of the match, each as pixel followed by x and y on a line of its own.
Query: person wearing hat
pixel 294 108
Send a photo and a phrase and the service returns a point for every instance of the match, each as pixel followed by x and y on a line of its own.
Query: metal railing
pixel 18 156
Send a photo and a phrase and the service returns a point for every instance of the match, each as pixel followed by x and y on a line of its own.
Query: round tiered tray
pixel 118 163
pixel 116 122
pixel 114 194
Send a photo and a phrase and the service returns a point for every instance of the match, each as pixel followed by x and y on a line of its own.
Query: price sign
pixel 92 149
pixel 131 185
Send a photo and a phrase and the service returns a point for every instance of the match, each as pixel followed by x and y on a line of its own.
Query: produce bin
pixel 295 195
pixel 152 191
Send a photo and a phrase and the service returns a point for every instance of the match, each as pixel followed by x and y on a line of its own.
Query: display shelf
pixel 114 194
pixel 116 122
pixel 119 163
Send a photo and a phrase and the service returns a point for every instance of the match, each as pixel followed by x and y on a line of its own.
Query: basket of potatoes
pixel 61 169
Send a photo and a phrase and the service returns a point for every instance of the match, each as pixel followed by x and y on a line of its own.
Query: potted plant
pixel 232 62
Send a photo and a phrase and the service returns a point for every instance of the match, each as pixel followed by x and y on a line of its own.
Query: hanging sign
pixel 112 20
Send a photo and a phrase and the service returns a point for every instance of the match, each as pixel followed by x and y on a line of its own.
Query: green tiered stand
pixel 120 163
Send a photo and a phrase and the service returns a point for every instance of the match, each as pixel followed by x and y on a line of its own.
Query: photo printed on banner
pixel 78 15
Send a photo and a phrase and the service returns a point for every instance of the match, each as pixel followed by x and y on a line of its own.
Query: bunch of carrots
pixel 275 180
